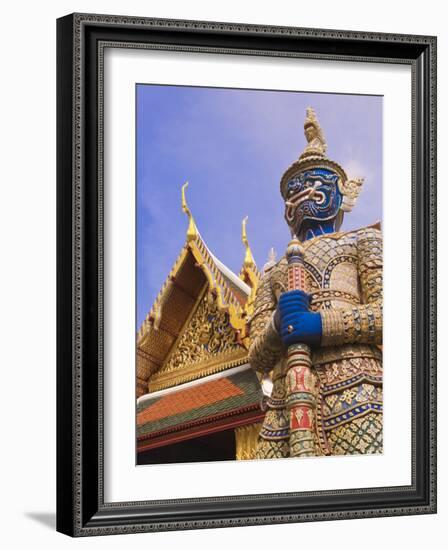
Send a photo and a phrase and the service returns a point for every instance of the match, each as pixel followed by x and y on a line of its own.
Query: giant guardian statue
pixel 316 327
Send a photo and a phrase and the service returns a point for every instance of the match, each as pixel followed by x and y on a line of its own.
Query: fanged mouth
pixel 296 200
pixel 307 194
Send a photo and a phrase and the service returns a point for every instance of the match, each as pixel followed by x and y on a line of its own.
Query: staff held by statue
pixel 300 381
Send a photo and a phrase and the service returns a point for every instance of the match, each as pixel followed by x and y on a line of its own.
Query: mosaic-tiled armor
pixel 343 276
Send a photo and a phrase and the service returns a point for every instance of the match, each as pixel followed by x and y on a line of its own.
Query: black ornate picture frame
pixel 81 508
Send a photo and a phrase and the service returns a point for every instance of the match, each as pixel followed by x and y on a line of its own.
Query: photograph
pixel 259 274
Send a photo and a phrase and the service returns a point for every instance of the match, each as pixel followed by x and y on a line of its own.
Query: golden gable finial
pixel 192 231
pixel 248 258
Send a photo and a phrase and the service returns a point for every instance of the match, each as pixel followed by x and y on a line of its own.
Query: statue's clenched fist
pixel 295 322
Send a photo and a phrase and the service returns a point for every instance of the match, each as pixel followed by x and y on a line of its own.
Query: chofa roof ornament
pixel 192 231
pixel 249 261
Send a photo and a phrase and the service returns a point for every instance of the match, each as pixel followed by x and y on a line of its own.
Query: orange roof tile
pixel 191 398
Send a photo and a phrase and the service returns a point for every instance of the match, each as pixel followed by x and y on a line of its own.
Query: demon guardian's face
pixel 312 197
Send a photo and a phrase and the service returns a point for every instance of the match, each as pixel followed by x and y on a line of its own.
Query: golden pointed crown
pixel 314 156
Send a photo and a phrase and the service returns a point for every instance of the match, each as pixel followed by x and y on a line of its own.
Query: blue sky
pixel 233 146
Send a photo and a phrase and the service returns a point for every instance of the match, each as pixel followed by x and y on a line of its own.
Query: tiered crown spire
pixel 317 145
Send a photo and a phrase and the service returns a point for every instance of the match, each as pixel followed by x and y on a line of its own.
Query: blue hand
pixel 297 324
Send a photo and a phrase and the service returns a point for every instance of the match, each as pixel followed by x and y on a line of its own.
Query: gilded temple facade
pixel 197 396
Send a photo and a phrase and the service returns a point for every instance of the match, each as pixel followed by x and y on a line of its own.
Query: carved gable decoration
pixel 207 344
pixel 209 333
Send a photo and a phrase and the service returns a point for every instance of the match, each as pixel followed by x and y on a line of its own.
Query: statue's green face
pixel 312 198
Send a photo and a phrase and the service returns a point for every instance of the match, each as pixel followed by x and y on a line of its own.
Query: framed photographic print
pixel 246 274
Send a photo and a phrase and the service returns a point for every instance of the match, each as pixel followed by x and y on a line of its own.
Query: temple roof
pixel 195 271
pixel 231 290
pixel 218 402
